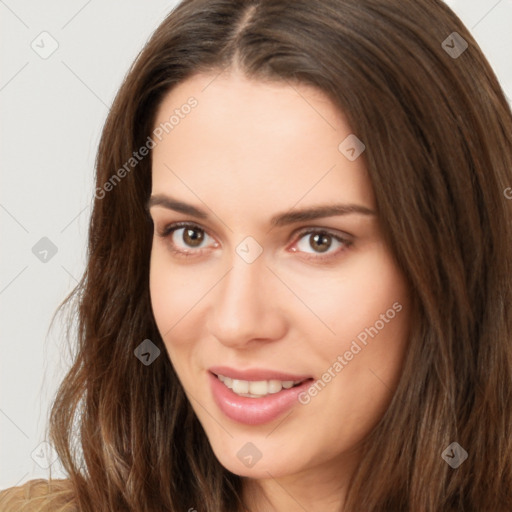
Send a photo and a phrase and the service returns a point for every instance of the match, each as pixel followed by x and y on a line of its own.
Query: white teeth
pixel 240 386
pixel 259 387
pixel 256 389
pixel 274 386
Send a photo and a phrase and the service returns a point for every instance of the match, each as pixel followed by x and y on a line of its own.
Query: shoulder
pixel 39 496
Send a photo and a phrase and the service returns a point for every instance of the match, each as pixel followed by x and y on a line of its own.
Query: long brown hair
pixel 438 136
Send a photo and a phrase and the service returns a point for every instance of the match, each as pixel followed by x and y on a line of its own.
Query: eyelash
pixel 169 230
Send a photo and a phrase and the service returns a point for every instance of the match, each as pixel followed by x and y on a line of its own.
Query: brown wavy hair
pixel 438 135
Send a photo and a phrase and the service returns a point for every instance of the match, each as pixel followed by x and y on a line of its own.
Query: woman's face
pixel 262 281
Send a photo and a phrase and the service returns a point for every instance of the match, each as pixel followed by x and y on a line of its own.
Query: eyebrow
pixel 281 219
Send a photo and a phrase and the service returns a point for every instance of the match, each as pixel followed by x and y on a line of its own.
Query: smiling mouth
pixel 257 389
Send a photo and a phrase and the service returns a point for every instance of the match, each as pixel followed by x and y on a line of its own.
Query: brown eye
pixel 320 244
pixel 320 241
pixel 193 237
pixel 186 239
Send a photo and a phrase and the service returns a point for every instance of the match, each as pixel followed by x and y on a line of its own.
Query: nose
pixel 246 307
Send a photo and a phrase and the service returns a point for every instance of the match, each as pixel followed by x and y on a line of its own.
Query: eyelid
pixel 342 237
pixel 173 226
pixel 329 231
pixel 169 230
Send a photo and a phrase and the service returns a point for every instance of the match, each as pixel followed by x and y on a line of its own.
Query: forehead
pixel 254 143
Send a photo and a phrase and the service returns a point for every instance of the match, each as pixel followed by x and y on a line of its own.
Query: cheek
pixel 368 290
pixel 367 307
pixel 163 296
pixel 372 335
pixel 170 297
pixel 171 290
pixel 178 294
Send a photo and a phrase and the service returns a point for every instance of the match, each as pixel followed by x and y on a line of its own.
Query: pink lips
pixel 255 411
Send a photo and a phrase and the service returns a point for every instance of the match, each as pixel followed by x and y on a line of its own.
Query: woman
pixel 299 271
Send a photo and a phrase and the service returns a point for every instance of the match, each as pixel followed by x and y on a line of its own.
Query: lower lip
pixel 254 411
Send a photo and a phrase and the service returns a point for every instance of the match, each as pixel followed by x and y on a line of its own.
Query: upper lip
pixel 256 374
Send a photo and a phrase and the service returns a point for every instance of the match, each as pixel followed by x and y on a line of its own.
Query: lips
pixel 255 411
pixel 256 374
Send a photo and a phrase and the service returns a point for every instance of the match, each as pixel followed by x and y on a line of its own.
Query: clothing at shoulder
pixel 39 496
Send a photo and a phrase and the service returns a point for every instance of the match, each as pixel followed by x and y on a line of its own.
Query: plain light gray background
pixel 53 107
